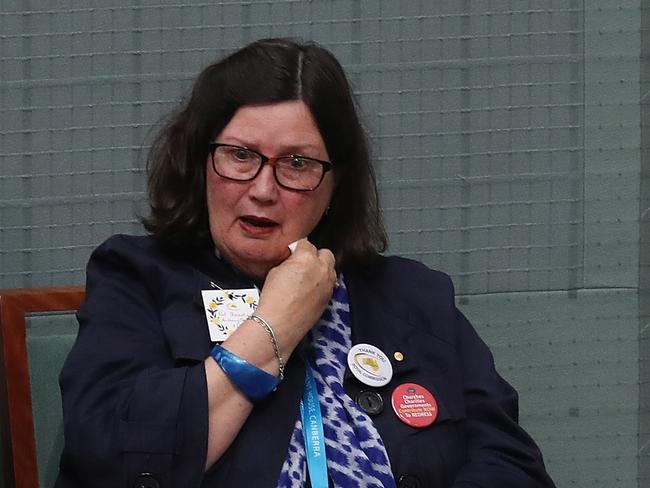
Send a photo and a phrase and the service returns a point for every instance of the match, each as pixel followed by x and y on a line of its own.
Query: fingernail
pixel 292 246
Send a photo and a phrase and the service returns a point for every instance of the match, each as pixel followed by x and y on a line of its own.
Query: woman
pixel 374 379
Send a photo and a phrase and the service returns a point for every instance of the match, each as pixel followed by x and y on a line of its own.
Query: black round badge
pixel 371 402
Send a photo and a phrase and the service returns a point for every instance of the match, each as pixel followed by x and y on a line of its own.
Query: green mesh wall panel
pixel 475 109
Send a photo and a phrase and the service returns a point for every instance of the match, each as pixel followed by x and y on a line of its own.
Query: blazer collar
pixel 220 272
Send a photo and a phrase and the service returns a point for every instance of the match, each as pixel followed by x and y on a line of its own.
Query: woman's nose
pixel 264 187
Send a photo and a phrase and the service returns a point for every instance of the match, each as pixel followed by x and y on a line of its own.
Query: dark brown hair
pixel 267 71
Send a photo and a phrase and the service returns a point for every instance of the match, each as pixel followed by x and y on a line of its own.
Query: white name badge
pixel 225 310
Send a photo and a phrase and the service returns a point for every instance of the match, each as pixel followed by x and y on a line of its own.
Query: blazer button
pixel 408 481
pixel 146 480
pixel 370 402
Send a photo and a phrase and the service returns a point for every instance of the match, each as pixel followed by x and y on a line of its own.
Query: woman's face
pixel 252 222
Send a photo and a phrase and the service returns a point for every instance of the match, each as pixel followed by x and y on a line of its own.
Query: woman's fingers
pixel 296 291
pixel 326 256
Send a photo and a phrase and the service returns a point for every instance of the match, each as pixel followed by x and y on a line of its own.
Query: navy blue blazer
pixel 135 396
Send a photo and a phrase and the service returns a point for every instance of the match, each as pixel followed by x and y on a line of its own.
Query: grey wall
pixel 508 141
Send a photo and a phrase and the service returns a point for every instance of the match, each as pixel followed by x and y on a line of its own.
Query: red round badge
pixel 414 405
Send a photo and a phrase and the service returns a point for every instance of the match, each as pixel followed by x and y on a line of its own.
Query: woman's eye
pixel 298 163
pixel 241 154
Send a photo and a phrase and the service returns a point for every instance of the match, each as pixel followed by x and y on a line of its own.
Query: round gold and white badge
pixel 370 365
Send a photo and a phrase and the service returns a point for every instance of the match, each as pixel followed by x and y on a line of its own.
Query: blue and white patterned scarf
pixel 356 456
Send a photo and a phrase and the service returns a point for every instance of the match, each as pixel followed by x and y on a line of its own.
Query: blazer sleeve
pixel 499 452
pixel 130 413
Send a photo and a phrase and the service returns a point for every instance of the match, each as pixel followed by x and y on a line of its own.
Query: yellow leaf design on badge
pixel 213 305
pixel 372 362
pixel 249 299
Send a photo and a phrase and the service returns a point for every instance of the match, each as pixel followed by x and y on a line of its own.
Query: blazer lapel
pixel 375 322
pixel 415 355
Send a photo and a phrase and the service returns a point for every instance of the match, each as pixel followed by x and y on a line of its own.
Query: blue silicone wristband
pixel 253 382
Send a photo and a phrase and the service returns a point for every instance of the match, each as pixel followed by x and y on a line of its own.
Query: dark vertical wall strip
pixel 26 156
pixel 576 121
pixel 137 134
pixel 644 256
pixel 246 30
pixel 355 40
pixel 465 150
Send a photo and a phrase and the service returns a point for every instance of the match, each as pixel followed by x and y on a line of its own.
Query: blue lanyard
pixel 312 432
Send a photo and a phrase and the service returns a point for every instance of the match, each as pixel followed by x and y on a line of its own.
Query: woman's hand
pixel 296 292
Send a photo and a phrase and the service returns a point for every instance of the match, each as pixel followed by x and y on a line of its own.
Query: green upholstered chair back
pixel 37 330
pixel 49 338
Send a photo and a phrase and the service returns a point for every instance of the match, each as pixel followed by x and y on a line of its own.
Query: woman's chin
pixel 257 263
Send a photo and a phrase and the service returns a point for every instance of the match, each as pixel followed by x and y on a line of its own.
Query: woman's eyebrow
pixel 235 141
pixel 302 148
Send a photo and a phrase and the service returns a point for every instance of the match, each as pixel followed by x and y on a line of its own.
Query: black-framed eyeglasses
pixel 292 171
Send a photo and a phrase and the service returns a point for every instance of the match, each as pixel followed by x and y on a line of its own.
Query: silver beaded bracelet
pixel 274 340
